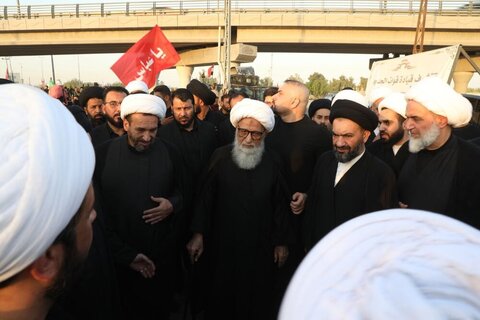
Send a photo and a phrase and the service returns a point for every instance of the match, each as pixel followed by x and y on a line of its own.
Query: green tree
pixel 74 83
pixel 296 77
pixel 341 83
pixel 266 82
pixel 317 84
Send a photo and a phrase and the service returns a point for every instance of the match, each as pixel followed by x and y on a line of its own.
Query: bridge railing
pixel 171 7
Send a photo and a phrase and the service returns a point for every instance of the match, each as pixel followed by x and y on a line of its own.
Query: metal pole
pixel 18 8
pixel 53 69
pixel 227 43
pixel 78 66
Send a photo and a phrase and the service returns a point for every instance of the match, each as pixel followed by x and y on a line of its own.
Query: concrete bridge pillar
pixel 461 80
pixel 184 75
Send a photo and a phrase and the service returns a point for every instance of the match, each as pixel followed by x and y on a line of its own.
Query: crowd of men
pixel 208 204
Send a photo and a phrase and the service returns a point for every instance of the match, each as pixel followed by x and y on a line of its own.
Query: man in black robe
pixel 442 174
pixel 113 127
pixel 139 182
pixel 196 140
pixel 241 219
pixel 392 147
pixel 299 142
pixel 348 181
pixel 204 99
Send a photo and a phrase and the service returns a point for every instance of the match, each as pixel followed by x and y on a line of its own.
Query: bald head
pixel 290 102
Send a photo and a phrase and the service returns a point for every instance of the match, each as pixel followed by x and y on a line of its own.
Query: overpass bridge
pixel 194 27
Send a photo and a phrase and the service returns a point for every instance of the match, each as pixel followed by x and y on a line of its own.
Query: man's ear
pixel 365 135
pixel 46 268
pixel 441 121
pixel 126 125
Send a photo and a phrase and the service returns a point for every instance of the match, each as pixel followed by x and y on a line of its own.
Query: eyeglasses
pixel 243 133
pixel 113 103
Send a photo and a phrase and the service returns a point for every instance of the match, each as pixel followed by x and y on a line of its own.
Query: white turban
pixel 392 264
pixel 137 86
pixel 440 98
pixel 249 108
pixel 143 103
pixel 378 93
pixel 395 101
pixel 351 95
pixel 46 166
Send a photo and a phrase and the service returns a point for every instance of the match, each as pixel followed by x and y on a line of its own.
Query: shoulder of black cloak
pixel 80 117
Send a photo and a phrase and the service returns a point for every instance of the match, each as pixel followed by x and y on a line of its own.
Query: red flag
pixel 146 58
pixel 210 71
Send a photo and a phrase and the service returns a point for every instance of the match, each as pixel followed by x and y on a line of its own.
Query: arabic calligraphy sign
pixel 400 73
pixel 146 58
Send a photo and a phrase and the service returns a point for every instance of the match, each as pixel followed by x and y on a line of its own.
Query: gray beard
pixel 247 158
pixel 417 144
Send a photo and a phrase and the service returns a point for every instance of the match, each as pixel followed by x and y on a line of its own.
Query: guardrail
pixel 171 7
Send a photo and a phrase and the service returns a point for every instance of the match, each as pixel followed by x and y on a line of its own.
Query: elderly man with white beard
pixel 443 173
pixel 241 219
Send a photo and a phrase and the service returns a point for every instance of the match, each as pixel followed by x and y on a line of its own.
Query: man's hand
pixel 144 265
pixel 195 247
pixel 280 255
pixel 166 120
pixel 402 205
pixel 298 202
pixel 159 213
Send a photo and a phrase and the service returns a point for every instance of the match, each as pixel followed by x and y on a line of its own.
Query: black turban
pixel 202 91
pixel 318 104
pixel 361 115
pixel 89 93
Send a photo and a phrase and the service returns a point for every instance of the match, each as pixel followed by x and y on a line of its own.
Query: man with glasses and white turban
pixel 241 219
pixel 46 200
pixel 442 174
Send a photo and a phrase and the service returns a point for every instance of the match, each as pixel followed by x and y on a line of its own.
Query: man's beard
pixel 247 158
pixel 186 125
pixel 141 148
pixel 350 155
pixel 98 121
pixel 117 124
pixel 417 144
pixel 395 137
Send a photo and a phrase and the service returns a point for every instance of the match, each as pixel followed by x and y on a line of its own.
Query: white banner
pixel 400 73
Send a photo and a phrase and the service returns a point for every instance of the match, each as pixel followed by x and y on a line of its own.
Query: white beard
pixel 247 158
pixel 417 144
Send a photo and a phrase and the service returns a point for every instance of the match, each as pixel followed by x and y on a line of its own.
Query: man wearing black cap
pixel 91 100
pixel 348 181
pixel 204 98
pixel 319 112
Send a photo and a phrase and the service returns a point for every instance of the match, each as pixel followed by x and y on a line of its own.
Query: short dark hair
pixel 163 89
pixel 183 95
pixel 234 94
pixel 270 92
pixel 114 88
pixel 225 96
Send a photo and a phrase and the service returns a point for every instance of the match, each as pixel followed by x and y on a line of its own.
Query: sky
pixel 96 67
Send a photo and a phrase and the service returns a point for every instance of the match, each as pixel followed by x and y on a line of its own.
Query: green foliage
pixel 266 82
pixel 342 82
pixel 296 77
pixel 318 85
pixel 74 83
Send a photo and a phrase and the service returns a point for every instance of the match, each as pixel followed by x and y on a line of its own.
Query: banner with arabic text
pixel 400 73
pixel 146 58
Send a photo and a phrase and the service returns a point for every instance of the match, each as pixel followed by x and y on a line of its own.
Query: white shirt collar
pixel 343 167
